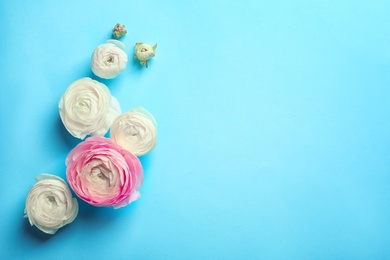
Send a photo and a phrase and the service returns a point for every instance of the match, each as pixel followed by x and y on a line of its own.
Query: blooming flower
pixel 109 59
pixel 49 204
pixel 143 52
pixel 135 131
pixel 102 173
pixel 87 108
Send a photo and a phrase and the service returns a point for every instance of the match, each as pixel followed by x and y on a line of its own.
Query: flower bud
pixel 119 30
pixel 143 52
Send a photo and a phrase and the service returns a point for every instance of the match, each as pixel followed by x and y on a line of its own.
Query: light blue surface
pixel 273 122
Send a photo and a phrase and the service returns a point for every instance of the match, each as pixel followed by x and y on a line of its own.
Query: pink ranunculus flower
pixel 102 173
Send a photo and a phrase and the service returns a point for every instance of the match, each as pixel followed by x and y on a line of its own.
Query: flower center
pixel 84 104
pixel 100 176
pixel 51 200
pixel 110 59
pixel 133 131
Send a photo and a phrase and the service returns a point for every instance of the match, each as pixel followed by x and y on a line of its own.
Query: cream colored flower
pixel 135 131
pixel 87 108
pixel 49 204
pixel 109 59
pixel 143 52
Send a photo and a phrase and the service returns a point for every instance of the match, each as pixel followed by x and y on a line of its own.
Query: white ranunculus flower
pixel 136 131
pixel 109 59
pixel 87 108
pixel 49 204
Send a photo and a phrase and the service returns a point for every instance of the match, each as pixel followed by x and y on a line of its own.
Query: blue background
pixel 273 125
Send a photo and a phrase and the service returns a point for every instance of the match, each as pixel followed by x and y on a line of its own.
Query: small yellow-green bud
pixel 143 52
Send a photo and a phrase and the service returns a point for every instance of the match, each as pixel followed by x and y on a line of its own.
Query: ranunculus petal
pixel 118 44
